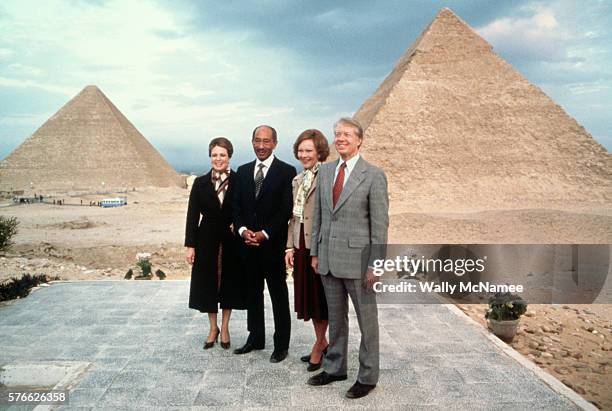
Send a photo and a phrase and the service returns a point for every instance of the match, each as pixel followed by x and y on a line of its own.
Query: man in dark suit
pixel 261 210
pixel 351 217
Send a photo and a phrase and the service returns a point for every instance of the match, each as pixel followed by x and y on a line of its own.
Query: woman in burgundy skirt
pixel 311 148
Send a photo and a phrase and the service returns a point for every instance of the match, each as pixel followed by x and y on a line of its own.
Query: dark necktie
pixel 259 177
pixel 338 184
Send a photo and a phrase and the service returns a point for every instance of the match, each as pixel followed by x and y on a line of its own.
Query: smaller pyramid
pixel 87 145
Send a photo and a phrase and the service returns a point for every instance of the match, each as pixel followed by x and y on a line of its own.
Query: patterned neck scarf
pixel 220 182
pixel 308 177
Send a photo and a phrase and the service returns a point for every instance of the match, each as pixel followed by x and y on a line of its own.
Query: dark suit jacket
pixel 270 212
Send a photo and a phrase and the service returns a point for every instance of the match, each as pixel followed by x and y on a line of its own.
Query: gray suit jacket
pixel 360 218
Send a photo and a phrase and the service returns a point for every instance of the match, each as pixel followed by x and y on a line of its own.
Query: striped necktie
pixel 259 177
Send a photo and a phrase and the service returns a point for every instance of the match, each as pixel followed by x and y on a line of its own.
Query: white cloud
pixel 332 18
pixel 167 76
pixel 351 18
pixel 22 120
pixel 24 70
pixel 188 90
pixel 5 53
pixel 354 85
pixel 589 88
pixel 42 85
pixel 537 37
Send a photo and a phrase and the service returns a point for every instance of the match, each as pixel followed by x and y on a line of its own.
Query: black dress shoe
pixel 313 367
pixel 278 356
pixel 225 344
pixel 306 358
pixel 209 344
pixel 247 348
pixel 325 378
pixel 359 390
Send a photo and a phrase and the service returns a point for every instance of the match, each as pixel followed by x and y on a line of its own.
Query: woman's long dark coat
pixel 205 235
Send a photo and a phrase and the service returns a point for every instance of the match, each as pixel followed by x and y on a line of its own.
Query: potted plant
pixel 504 314
pixel 144 264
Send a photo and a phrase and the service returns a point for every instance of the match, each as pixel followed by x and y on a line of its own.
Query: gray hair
pixel 351 122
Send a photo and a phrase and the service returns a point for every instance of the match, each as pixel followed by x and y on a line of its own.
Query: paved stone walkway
pixel 144 346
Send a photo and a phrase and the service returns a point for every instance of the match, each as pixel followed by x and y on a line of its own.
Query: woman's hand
pixel 289 258
pixel 190 257
pixel 314 263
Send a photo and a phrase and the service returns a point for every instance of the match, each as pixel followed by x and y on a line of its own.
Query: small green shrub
pixel 20 287
pixel 8 229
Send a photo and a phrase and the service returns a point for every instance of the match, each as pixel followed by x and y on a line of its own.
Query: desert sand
pixel 571 342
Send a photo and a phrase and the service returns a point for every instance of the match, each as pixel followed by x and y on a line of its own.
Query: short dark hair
pixel 221 142
pixel 267 126
pixel 319 140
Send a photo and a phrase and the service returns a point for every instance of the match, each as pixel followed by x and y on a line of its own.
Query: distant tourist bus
pixel 114 202
pixel 24 199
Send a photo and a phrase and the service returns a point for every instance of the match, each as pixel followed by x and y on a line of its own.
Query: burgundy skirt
pixel 309 295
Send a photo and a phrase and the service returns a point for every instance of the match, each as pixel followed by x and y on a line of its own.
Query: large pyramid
pixel 456 127
pixel 87 145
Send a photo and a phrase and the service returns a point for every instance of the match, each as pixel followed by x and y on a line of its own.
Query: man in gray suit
pixel 351 213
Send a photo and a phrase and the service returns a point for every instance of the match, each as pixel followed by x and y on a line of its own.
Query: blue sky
pixel 186 71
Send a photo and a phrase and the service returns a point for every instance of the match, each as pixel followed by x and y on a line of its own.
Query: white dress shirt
pixel 350 165
pixel 267 163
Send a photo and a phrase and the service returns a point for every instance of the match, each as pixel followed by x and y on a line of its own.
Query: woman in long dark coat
pixel 211 244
